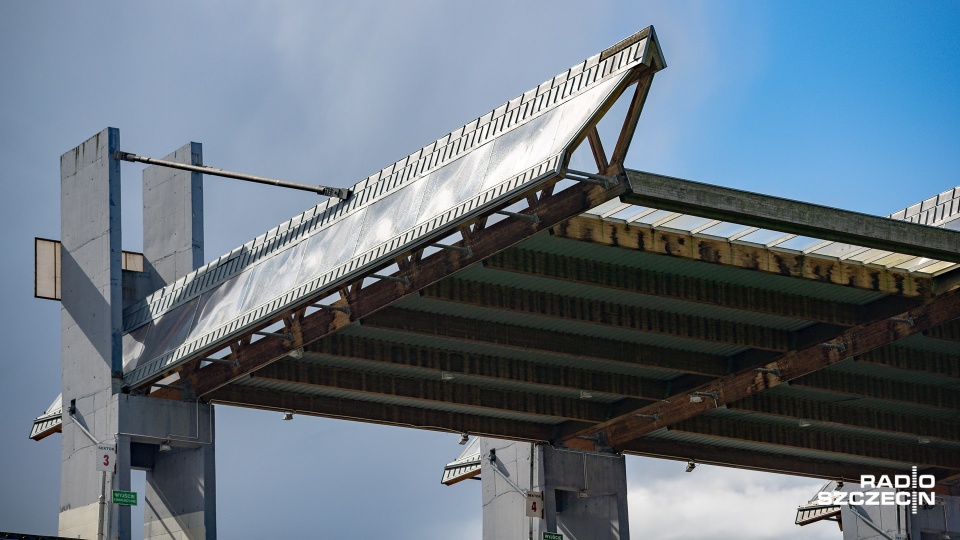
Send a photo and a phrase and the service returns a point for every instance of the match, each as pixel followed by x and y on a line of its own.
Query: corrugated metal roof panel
pixel 604 294
pixel 763 448
pixel 528 355
pixel 281 386
pixel 864 402
pixel 699 269
pixel 425 374
pixel 826 428
pixel 440 307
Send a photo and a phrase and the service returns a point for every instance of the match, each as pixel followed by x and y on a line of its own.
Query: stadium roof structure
pixel 481 285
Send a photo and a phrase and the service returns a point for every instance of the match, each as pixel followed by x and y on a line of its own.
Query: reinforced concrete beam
pixel 534 339
pixel 789 216
pixel 784 263
pixel 380 413
pixel 795 364
pixel 436 360
pixel 596 312
pixel 432 390
pixel 662 284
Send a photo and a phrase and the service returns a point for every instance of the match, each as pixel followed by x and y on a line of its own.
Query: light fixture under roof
pixel 165 446
pixel 288 415
pixel 804 423
pixel 697 397
pixel 464 438
pixel 585 395
pixel 446 376
pixel 691 465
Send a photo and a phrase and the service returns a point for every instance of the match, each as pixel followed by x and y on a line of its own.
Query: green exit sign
pixel 126 498
pixel 552 536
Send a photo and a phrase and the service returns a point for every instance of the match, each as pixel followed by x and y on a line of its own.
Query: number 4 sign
pixel 106 455
pixel 535 504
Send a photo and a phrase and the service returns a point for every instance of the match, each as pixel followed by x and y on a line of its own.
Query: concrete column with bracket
pixel 584 493
pixel 180 498
pixel 91 330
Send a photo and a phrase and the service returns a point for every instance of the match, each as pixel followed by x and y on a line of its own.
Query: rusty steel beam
pixel 669 285
pixel 546 341
pixel 795 364
pixel 436 360
pixel 380 413
pixel 768 260
pixel 609 314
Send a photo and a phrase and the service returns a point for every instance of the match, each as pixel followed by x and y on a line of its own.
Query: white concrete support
pixel 91 329
pixel 180 498
pixel 584 493
pixel 891 522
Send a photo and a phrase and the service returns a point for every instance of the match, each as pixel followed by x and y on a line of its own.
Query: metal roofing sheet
pixel 606 294
pixel 827 428
pixel 462 175
pixel 399 370
pixel 440 307
pixel 281 386
pixel 698 269
pixel 471 347
pixel 764 448
pixel 873 404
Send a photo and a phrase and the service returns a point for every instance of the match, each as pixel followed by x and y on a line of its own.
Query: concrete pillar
pixel 584 493
pixel 880 522
pixel 180 498
pixel 91 330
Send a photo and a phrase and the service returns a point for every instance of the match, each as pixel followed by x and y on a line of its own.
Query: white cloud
pixel 719 502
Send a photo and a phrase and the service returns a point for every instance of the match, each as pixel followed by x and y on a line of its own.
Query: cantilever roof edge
pixel 502 154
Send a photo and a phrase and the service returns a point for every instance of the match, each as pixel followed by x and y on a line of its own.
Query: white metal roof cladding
pixel 462 174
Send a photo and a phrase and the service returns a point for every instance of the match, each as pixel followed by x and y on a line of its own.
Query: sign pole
pixel 103 503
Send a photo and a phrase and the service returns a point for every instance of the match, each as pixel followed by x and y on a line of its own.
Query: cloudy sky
pixel 853 106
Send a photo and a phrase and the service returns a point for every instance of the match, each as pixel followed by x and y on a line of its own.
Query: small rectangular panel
pixel 46 274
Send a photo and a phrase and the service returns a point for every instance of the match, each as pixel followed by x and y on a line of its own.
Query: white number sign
pixel 535 504
pixel 106 455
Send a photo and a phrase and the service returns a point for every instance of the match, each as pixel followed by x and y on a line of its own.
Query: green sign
pixel 552 536
pixel 126 498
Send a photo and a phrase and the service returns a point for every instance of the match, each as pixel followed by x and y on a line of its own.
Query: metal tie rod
pixel 340 193
pixel 591 178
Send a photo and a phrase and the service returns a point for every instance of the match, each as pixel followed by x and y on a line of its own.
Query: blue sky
pixel 853 105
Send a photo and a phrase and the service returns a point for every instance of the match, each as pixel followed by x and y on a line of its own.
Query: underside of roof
pixel 601 309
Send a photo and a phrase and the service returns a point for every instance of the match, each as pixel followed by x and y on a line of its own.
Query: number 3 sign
pixel 106 455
